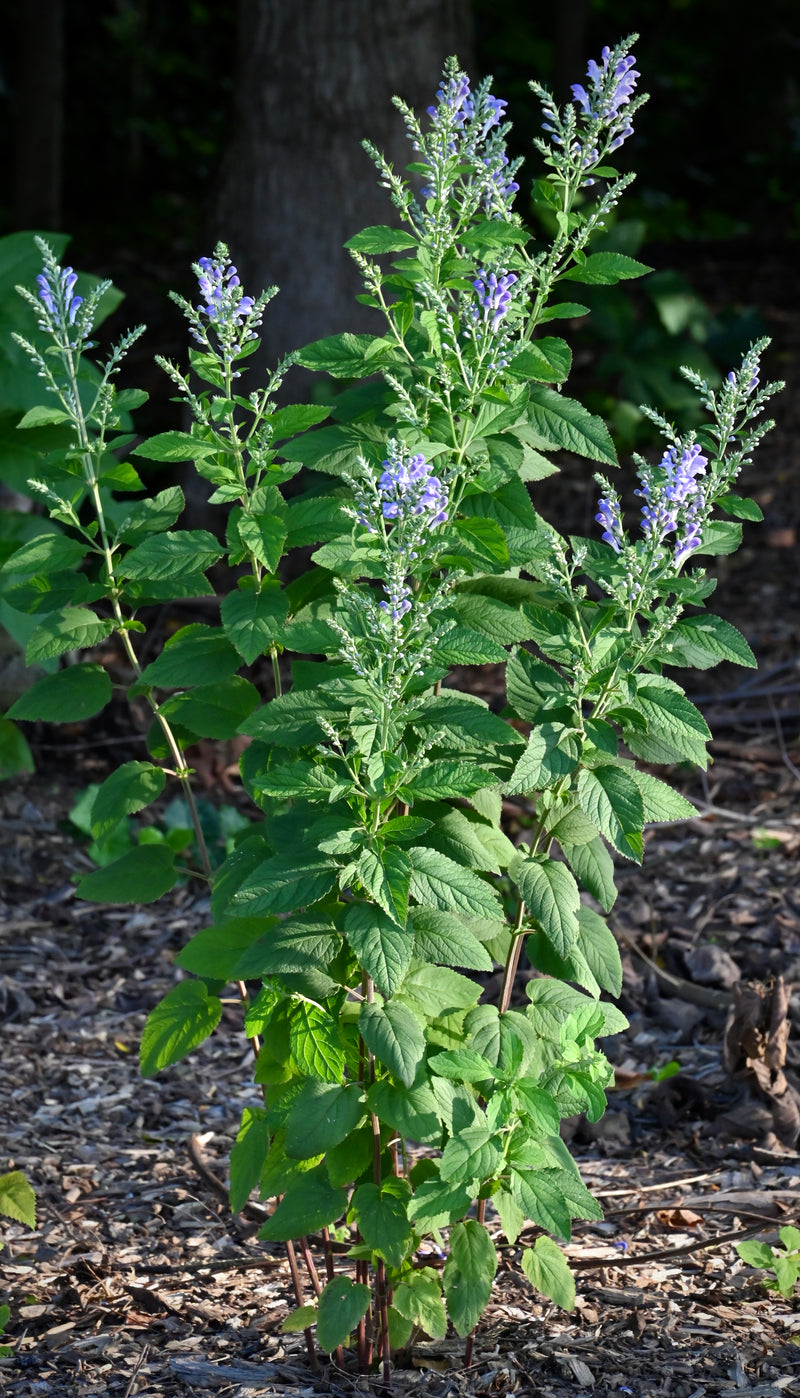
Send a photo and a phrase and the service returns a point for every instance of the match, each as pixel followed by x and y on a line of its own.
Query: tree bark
pixel 314 79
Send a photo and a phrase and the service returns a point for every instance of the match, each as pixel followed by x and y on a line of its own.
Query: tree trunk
pixel 315 78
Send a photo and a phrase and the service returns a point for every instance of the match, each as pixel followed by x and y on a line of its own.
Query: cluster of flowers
pixel 493 294
pixel 462 121
pixel 674 503
pixel 61 305
pixel 233 315
pixel 406 488
pixel 601 109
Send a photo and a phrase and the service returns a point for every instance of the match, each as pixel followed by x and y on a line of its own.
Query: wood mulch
pixel 139 1283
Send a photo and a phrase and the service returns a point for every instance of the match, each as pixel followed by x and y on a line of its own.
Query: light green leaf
pixel 132 787
pixel 341 1305
pixel 43 416
pixel 661 802
pixel 430 996
pixel 442 938
pixel 436 1205
pixel 152 516
pixel 411 1111
pixel 437 881
pixel 468 1274
pixel 383 948
pixel 182 1020
pixel 344 356
pixel 394 1034
pixel 17 1199
pixel 386 875
pixel 605 269
pixel 50 553
pixel 511 1215
pixel 419 1299
pixel 163 556
pixel 676 730
pixel 547 1269
pixel 474 1154
pixel 756 1254
pixel 322 1115
pixel 142 875
pixel 563 422
pixel 70 628
pixel 542 1201
pixel 593 866
pixel 546 361
pixel 174 446
pixel 552 898
pixel 248 1155
pixel 611 798
pixel 299 1319
pixel 379 238
pixel 285 882
pixel 315 1041
pixel 79 691
pixel 704 641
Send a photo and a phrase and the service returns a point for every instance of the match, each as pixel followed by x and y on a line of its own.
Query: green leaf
pixel 593 866
pixel 296 417
pixel 322 1115
pixel 756 1254
pixel 379 238
pixel 341 1305
pixel 594 962
pixel 483 537
pixel 17 1199
pixel 552 898
pixel 195 655
pixel 70 628
pixel 442 938
pixel 790 1237
pixel 182 1020
pixel 741 508
pixel 661 802
pixel 463 646
pixel 462 1065
pixel 511 1216
pixel 474 1154
pixel 213 952
pixel 293 719
pixel 315 1041
pixel 465 722
pixel 143 875
pixel 394 1034
pixel 252 620
pixel 285 882
pixel 247 1156
pixel 468 1274
pixel 164 556
pixel 151 516
pixel 42 416
pixel 309 1203
pixel 605 268
pixel 380 1212
pixel 174 446
pixel 437 881
pixel 563 310
pixel 15 755
pixel 436 1205
pixel 132 787
pixel 439 781
pixel 77 692
pixel 431 996
pixel 611 798
pixel 264 537
pixel 547 1269
pixel 720 537
pixel 542 1201
pixel 703 641
pixel 385 876
pixel 419 1298
pixel 563 422
pixel 45 553
pixel 296 945
pixel 344 356
pixel 213 710
pixel 546 361
pixel 676 730
pixel 299 1319
pixel 383 948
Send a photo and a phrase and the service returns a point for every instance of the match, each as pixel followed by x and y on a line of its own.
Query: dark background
pixel 147 130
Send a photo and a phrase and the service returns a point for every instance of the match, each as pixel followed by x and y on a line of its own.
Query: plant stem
pixel 298 1294
pixel 512 961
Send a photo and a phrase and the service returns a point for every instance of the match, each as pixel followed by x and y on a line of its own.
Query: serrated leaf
pixel 296 417
pixel 296 945
pixel 383 948
pixel 442 938
pixel 593 866
pixel 322 1115
pixel 419 1298
pixel 378 238
pixel 45 553
pixel 77 692
pixel 285 882
pixel 431 996
pixel 741 508
pixel 213 710
pixel 213 952
pixel 163 556
pixel 545 361
pixel 386 875
pixel 182 1020
pixel 756 1254
pixel 563 422
pixel 143 875
pixel 443 780
pixel 465 722
pixel 704 641
pixel 547 1269
pixel 437 881
pixel 70 628
pixel 542 1201
pixel 174 446
pixel 474 1154
pixel 132 787
pixel 605 269
pixel 345 356
pixel 611 798
pixel 341 1305
pixel 468 1274
pixel 380 1212
pixel 315 1041
pixel 248 1155
pixel 676 730
pixel 252 620
pixel 195 655
pixel 309 1203
pixel 17 1199
pixel 436 1205
pixel 394 1034
pixel 151 516
pixel 552 899
pixel 411 1111
pixel 661 802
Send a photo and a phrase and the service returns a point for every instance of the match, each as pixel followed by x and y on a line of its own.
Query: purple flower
pixel 454 94
pixel 494 295
pixel 610 89
pixel 55 292
pixel 500 189
pixel 609 515
pixel 224 306
pixel 406 488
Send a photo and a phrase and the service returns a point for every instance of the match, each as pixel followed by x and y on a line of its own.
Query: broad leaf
pixel 247 1156
pixel 605 269
pixel 182 1020
pixel 341 1305
pixel 547 1269
pixel 195 655
pixel 383 948
pixel 563 422
pixel 322 1115
pixel 142 875
pixel 419 1299
pixel 17 1199
pixel 15 755
pixel 386 875
pixel 309 1203
pixel 315 1041
pixel 612 799
pixel 552 898
pixel 70 628
pixel 394 1034
pixel 252 620
pixel 380 1212
pixel 676 730
pixel 164 556
pixel 442 938
pixel 593 866
pixel 132 787
pixel 437 881
pixel 468 1274
pixel 77 692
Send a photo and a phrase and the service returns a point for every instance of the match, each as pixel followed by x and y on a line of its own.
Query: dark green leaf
pixel 174 446
pixel 309 1203
pixel 551 896
pixel 71 628
pixel 213 952
pixel 468 1274
pixel 77 692
pixel 593 866
pixel 247 1156
pixel 252 620
pixel 394 1034
pixel 132 787
pixel 143 875
pixel 285 882
pixel 163 556
pixel 151 516
pixel 437 881
pixel 322 1115
pixel 442 938
pixel 15 755
pixel 213 710
pixel 611 798
pixel 380 1212
pixel 383 948
pixel 341 1305
pixel 546 361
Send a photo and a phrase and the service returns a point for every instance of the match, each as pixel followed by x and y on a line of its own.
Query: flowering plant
pixel 376 872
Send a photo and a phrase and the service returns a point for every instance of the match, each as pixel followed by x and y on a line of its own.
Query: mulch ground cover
pixel 139 1282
